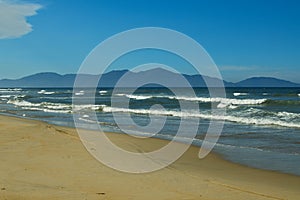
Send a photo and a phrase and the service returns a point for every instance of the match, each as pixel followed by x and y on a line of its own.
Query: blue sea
pixel 262 125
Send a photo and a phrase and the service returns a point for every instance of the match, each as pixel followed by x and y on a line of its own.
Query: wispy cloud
pixel 13 18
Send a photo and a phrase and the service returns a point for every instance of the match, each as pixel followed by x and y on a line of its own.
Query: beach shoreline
pixel 44 161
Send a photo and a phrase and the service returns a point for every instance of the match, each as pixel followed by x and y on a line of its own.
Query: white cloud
pixel 13 14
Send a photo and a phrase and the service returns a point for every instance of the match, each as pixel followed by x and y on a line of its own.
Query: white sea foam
pixel 239 94
pixel 288 115
pixel 41 92
pixel 55 105
pixel 87 120
pixel 226 101
pixel 56 111
pixel 5 96
pixel 298 95
pixel 224 105
pixel 87 107
pixel 44 106
pixel 9 90
pixel 9 96
pixel 23 103
pixel 80 93
pixel 232 106
pixel 231 118
pixel 137 97
pixel 46 110
pixel 102 92
pixel 45 92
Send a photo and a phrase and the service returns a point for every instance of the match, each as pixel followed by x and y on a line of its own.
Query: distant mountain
pixel 50 80
pixel 265 82
pixel 47 79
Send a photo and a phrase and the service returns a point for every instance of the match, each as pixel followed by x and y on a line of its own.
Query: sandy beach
pixel 42 161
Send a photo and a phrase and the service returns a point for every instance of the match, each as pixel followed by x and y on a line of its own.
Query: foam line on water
pixel 239 94
pixel 201 99
pixel 45 92
pixel 230 118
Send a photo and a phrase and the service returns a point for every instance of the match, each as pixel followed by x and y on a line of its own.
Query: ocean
pixel 261 130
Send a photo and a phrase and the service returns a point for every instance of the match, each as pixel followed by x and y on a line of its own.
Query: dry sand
pixel 42 161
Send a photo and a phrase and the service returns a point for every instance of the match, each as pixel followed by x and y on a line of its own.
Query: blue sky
pixel 245 38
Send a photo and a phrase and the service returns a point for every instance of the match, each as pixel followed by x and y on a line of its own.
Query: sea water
pixel 261 129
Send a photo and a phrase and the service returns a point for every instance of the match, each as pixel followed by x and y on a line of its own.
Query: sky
pixel 245 38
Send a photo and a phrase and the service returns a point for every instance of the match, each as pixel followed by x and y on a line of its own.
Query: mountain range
pixel 109 79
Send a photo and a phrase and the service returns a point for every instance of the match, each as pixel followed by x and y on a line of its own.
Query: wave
pixel 282 102
pixel 245 116
pixel 44 106
pixel 6 96
pixel 85 119
pixel 80 93
pixel 102 92
pixel 9 90
pixel 288 115
pixel 41 92
pixel 239 94
pixel 136 97
pixel 77 108
pixel 223 102
pixel 235 101
pixel 45 92
pixel 231 118
pixel 226 101
pixel 23 103
pixel 45 110
pixel 228 106
pixel 54 106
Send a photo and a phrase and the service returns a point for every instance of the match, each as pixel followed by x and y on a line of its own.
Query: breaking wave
pixel 246 119
pixel 136 97
pixel 45 92
pixel 44 106
pixel 239 94
pixel 227 101
pixel 102 92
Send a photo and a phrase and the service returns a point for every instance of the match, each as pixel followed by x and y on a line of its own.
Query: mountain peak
pixel 42 74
